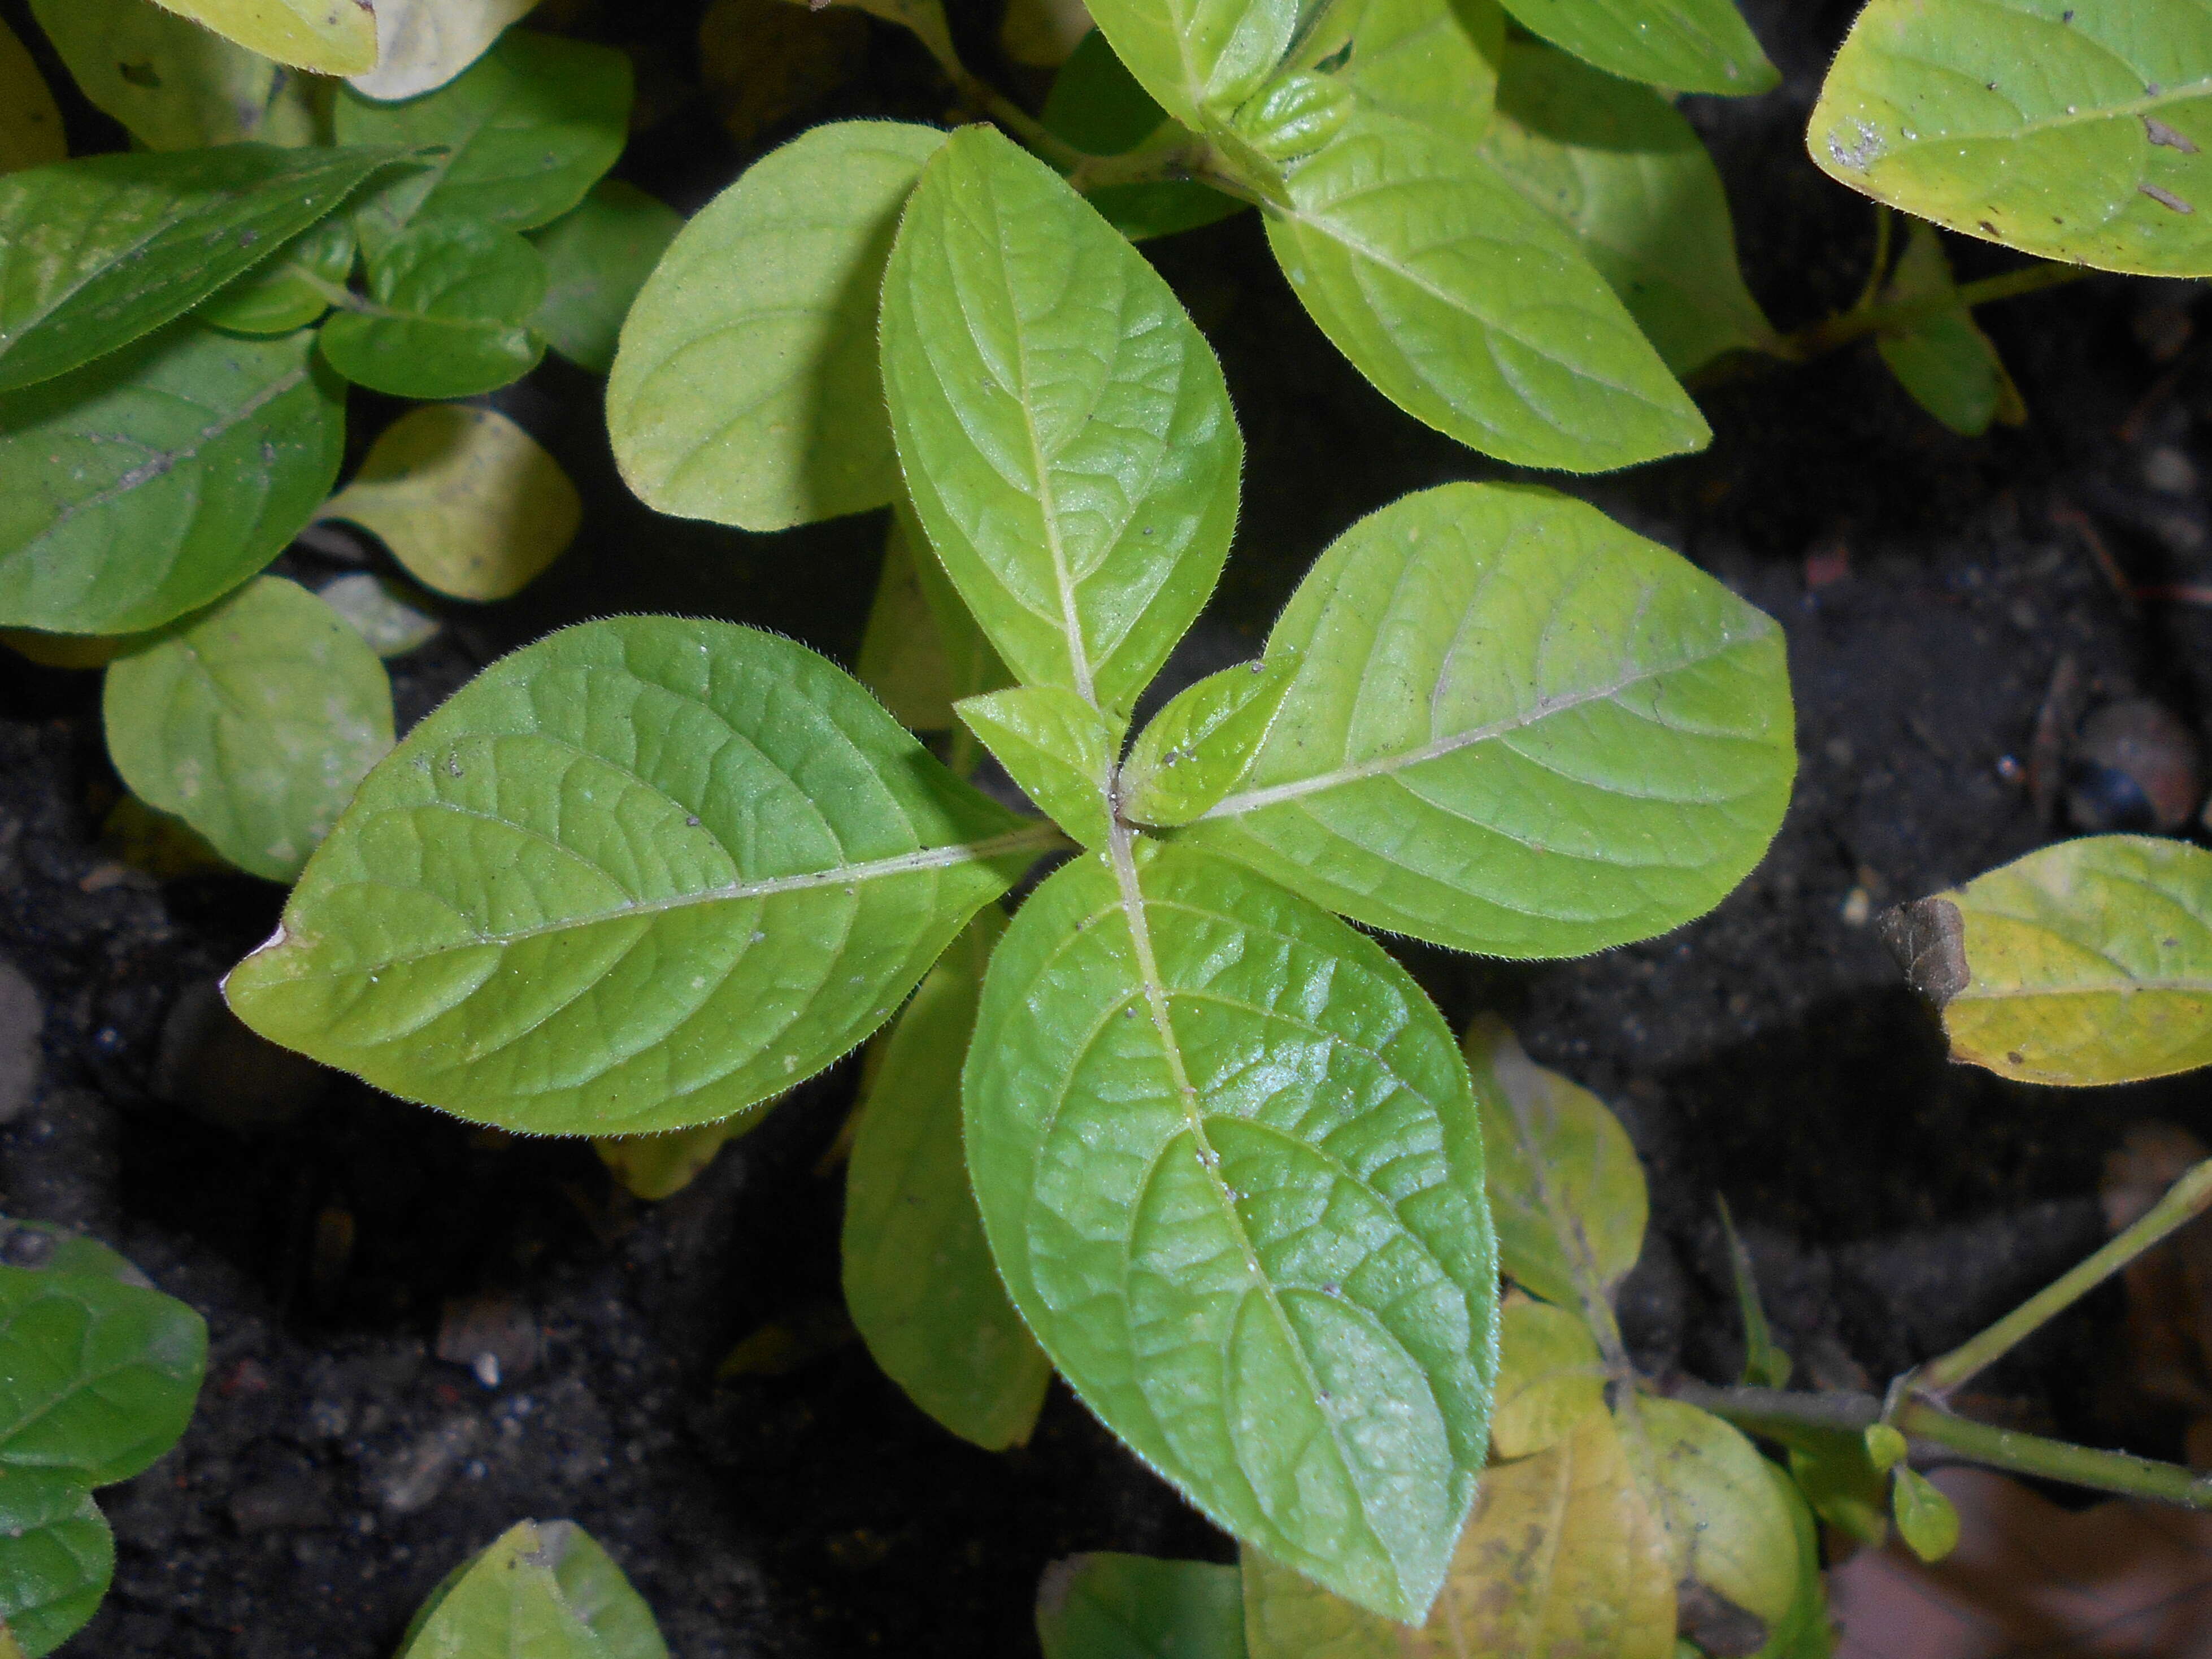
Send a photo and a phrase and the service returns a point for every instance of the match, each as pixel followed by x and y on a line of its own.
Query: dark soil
pixel 1769 1052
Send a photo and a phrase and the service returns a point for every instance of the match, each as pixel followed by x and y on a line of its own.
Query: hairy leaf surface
pixel 1469 307
pixel 645 873
pixel 919 1279
pixel 1950 368
pixel 1516 728
pixel 1686 45
pixel 448 313
pixel 2078 132
pixel 1065 430
pixel 172 83
pixel 152 481
pixel 97 251
pixel 30 123
pixel 331 37
pixel 598 256
pixel 253 722
pixel 1105 1606
pixel 1199 58
pixel 1230 1169
pixel 57 1557
pixel 746 390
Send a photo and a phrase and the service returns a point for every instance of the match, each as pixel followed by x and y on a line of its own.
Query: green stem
pixel 2184 1201
pixel 1834 332
pixel 1884 216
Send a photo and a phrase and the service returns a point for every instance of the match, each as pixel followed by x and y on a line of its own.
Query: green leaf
pixel 1469 308
pixel 1294 115
pixel 1728 1528
pixel 1057 747
pixel 1805 1631
pixel 1566 1192
pixel 151 483
pixel 598 256
pixel 1431 61
pixel 57 1557
pixel 1765 1364
pixel 1199 58
pixel 1944 360
pixel 448 314
pixel 1096 105
pixel 526 133
pixel 468 503
pixel 1619 167
pixel 1562 1557
pixel 921 652
pixel 1516 728
pixel 1686 45
pixel 173 84
pixel 2086 963
pixel 1062 424
pixel 598 1594
pixel 95 253
pixel 747 390
pixel 1925 1518
pixel 390 617
pixel 1833 1471
pixel 2079 131
pixel 290 291
pixel 253 722
pixel 1195 749
pixel 328 38
pixel 30 123
pixel 1231 1170
pixel 1133 1607
pixel 420 45
pixel 644 873
pixel 1549 1378
pixel 515 1602
pixel 1885 1446
pixel 918 1279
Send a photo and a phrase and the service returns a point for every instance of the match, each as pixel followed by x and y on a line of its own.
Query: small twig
pixel 2070 517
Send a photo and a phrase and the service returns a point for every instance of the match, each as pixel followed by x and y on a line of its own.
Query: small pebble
pixel 1857 907
pixel 2169 471
pixel 2135 766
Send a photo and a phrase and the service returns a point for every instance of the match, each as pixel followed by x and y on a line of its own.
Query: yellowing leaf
pixel 1549 1378
pixel 159 843
pixel 381 612
pixel 67 650
pixel 30 126
pixel 2089 962
pixel 662 1165
pixel 422 44
pixel 465 499
pixel 169 82
pixel 1727 1529
pixel 331 37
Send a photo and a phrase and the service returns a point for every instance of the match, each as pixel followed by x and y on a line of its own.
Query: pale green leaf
pixel 645 873
pixel 512 1602
pixel 1433 61
pixel 448 315
pixel 524 134
pixel 389 619
pixel 658 1166
pixel 598 256
pixel 57 1557
pixel 1944 360
pixel 330 37
pixel 1806 1631
pixel 1516 728
pixel 30 124
pixel 1063 426
pixel 1885 1447
pixel 1728 1528
pixel 422 44
pixel 1294 115
pixel 1230 1168
pixel 1469 307
pixel 290 290
pixel 598 1592
pixel 1135 1607
pixel 1549 1376
pixel 1925 1518
pixel 918 1279
pixel 1562 1557
pixel 921 651
pixel 173 84
pixel 1096 105
pixel 152 481
pixel 253 722
pixel 1199 58
pixel 466 501
pixel 746 390
pixel 1566 1192
pixel 1686 45
pixel 1057 747
pixel 2086 963
pixel 1195 749
pixel 1620 168
pixel 97 251
pixel 2080 130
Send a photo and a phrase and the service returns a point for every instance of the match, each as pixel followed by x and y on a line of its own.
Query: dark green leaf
pixel 56 1556
pixel 1096 105
pixel 1687 45
pixel 290 290
pixel 1135 1607
pixel 598 256
pixel 1944 360
pixel 922 652
pixel 447 316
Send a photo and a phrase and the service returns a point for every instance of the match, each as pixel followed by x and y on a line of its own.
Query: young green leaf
pixel 253 722
pixel 151 483
pixel 1562 1557
pixel 466 501
pixel 658 1166
pixel 2078 132
pixel 30 123
pixel 1133 1607
pixel 1063 426
pixel 1469 308
pixel 598 256
pixel 447 316
pixel 290 290
pixel 420 45
pixel 746 390
pixel 644 873
pixel 327 36
pixel 1096 105
pixel 1620 168
pixel 95 253
pixel 1195 749
pixel 1566 1192
pixel 1806 1631
pixel 1057 747
pixel 1549 1378
pixel 525 133
pixel 1294 115
pixel 1727 1529
pixel 57 1557
pixel 1925 1518
pixel 1885 1447
pixel 2089 962
pixel 918 1279
pixel 1944 361
pixel 599 1593
pixel 388 616
pixel 1199 58
pixel 1432 61
pixel 526 1596
pixel 172 83
pixel 1230 1168
pixel 1684 45
pixel 1516 728
pixel 1765 1364
pixel 921 652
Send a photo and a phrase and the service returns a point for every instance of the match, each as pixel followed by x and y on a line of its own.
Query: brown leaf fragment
pixel 1928 936
pixel 1715 1624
